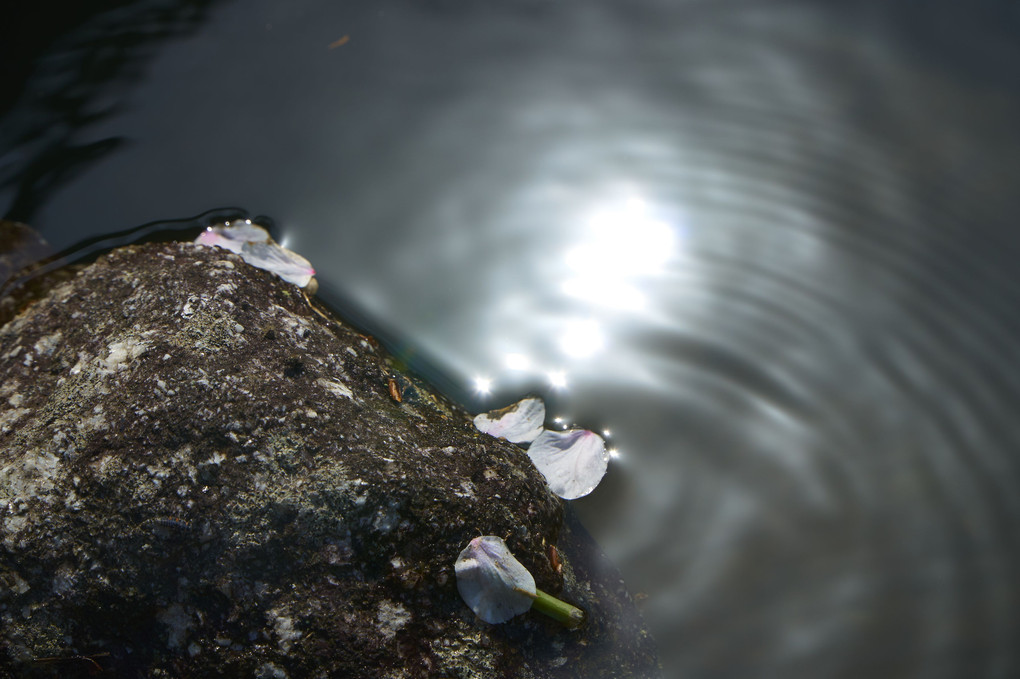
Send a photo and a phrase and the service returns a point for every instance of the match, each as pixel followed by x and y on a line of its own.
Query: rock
pixel 28 268
pixel 201 475
pixel 20 246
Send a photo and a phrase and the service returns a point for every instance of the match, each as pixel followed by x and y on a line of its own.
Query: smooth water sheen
pixel 771 246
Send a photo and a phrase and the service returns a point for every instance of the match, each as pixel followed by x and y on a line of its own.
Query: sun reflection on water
pixel 599 275
pixel 620 245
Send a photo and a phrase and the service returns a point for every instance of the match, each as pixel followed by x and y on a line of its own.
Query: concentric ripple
pixel 771 246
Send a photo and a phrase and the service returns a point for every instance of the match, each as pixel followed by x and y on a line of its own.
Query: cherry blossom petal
pixel 488 577
pixel 286 264
pixel 519 423
pixel 256 247
pixel 573 462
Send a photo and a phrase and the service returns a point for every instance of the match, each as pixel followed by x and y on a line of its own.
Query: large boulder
pixel 203 475
pixel 27 268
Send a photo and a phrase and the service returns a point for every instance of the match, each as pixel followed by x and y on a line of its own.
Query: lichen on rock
pixel 201 476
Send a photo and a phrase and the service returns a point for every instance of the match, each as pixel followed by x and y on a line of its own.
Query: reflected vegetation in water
pixel 73 88
pixel 772 248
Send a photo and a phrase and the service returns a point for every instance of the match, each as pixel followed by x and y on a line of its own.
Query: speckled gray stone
pixel 200 475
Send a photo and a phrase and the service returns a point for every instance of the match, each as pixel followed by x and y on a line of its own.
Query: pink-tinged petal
pixel 212 238
pixel 519 423
pixel 233 236
pixel 573 462
pixel 489 577
pixel 286 264
pixel 256 247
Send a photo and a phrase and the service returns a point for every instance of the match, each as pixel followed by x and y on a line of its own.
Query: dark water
pixel 772 246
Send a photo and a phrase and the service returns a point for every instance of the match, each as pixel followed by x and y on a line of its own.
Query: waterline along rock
pixel 202 476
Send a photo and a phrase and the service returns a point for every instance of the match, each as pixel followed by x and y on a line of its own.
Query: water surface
pixel 772 247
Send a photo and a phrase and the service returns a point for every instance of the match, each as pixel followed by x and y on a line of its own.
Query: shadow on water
pixel 43 261
pixel 75 86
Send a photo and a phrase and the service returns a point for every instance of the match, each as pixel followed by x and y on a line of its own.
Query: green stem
pixel 564 613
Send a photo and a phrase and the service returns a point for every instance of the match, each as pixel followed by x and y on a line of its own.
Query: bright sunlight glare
pixel 557 379
pixel 620 244
pixel 483 385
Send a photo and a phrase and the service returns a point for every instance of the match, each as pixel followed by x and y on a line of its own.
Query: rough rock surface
pixel 20 246
pixel 23 256
pixel 202 476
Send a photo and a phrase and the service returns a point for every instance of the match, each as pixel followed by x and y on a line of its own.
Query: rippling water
pixel 771 246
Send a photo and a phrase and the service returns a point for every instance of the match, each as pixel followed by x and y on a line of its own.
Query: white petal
pixel 573 462
pixel 519 423
pixel 210 238
pixel 286 264
pixel 233 236
pixel 255 246
pixel 488 577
